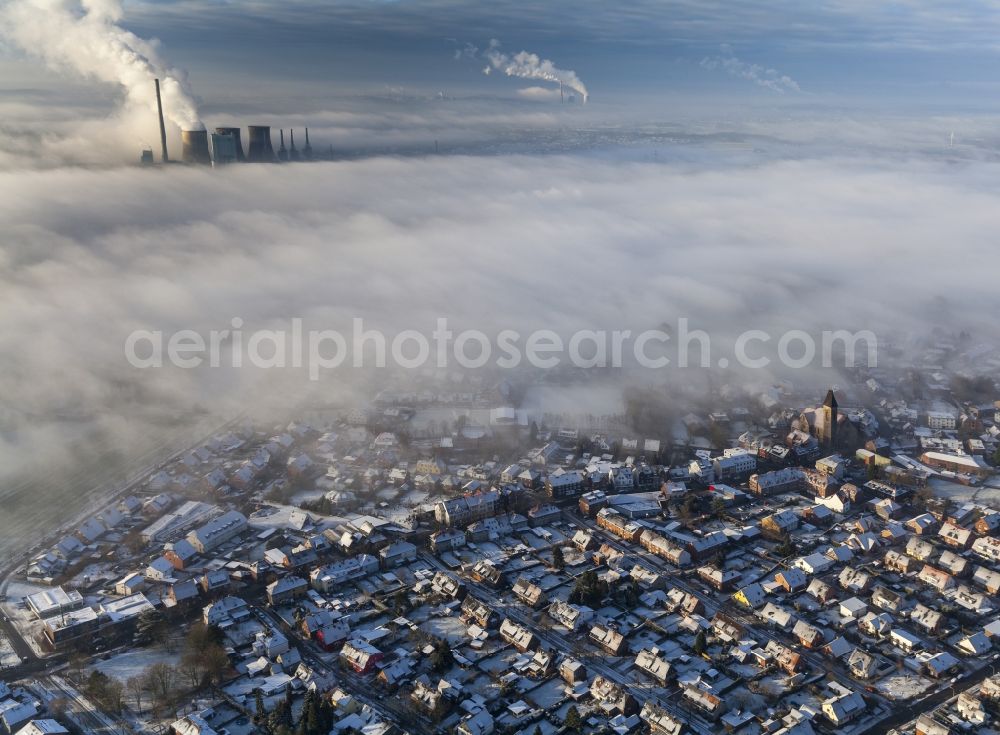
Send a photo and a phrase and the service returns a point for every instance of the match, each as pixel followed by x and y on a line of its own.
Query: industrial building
pixel 225 145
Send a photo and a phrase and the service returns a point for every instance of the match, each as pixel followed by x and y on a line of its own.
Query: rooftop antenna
pixel 163 130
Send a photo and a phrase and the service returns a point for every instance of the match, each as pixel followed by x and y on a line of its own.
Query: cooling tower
pixel 194 147
pixel 259 148
pixel 235 132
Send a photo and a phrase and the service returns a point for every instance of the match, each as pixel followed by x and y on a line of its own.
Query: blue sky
pixel 937 56
pixel 842 50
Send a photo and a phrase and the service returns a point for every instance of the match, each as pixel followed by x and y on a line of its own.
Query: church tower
pixel 829 436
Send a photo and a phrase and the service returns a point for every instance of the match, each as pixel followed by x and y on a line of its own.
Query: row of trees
pixel 156 684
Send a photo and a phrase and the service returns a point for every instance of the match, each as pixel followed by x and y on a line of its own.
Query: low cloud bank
pixel 491 243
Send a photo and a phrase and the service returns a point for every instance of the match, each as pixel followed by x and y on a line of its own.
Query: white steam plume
pixel 527 65
pixel 762 76
pixel 84 36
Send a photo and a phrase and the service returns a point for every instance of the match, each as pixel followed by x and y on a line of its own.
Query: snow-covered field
pixel 987 494
pixel 132 663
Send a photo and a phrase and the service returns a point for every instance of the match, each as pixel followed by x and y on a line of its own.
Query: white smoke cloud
pixel 762 76
pixel 526 65
pixel 85 38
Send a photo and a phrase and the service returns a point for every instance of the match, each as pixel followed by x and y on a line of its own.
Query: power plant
pixel 259 148
pixel 238 144
pixel 224 148
pixel 227 145
pixel 194 147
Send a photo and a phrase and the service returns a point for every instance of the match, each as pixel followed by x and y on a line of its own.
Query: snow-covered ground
pixel 903 686
pixel 132 663
pixel 451 629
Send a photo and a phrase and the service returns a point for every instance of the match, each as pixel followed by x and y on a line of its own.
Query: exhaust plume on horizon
pixel 762 76
pixel 86 37
pixel 526 65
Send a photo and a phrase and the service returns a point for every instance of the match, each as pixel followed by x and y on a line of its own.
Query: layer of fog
pixel 520 242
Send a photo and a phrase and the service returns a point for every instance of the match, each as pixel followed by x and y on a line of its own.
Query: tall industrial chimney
pixel 293 154
pixel 259 148
pixel 282 151
pixel 307 151
pixel 163 130
pixel 194 147
pixel 235 132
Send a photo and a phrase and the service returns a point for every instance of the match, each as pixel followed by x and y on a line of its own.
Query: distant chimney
pixel 293 155
pixel 194 147
pixel 259 148
pixel 307 150
pixel 235 132
pixel 282 151
pixel 163 130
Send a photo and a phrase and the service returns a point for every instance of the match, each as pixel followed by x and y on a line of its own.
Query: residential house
pixel 285 590
pixel 936 578
pixel 360 656
pixel 843 708
pixel 609 639
pixel 791 580
pixel 518 636
pixel 862 664
pixel 655 665
pixel 528 592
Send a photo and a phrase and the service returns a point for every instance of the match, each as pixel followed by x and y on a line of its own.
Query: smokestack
pixel 163 130
pixel 307 151
pixel 282 151
pixel 562 97
pixel 235 132
pixel 194 147
pixel 293 155
pixel 259 148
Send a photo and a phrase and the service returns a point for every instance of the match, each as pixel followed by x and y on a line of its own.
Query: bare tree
pixel 216 662
pixel 114 696
pixel 160 681
pixel 191 666
pixel 136 687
